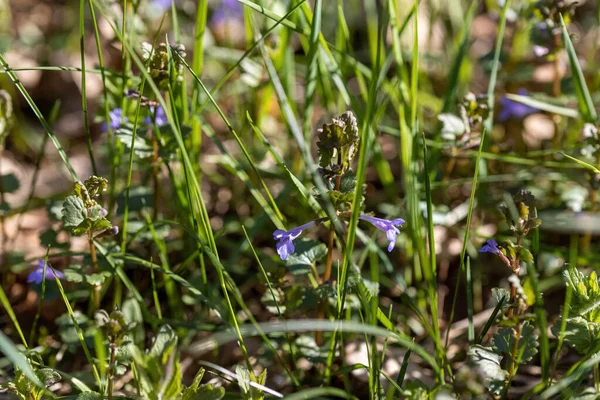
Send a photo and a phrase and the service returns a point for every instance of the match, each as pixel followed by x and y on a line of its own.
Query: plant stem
pixel 328 263
pixel 2 224
pixel 516 267
pixel 111 370
pixel 513 360
pixel 96 289
pixel 154 176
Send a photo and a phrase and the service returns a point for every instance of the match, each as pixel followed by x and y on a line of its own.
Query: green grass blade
pixel 84 107
pixel 586 106
pixel 11 314
pixel 469 285
pixel 18 360
pixel 540 312
pixel 491 320
pixel 453 77
pixel 198 65
pixel 312 69
pixel 82 341
pixel 465 238
pixel 495 66
pixel 237 139
pixel 582 163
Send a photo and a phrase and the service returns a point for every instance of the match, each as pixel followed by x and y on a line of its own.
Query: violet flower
pixel 161 117
pixel 163 5
pixel 285 244
pixel 490 246
pixel 387 226
pixel 227 10
pixel 115 117
pixel 37 276
pixel 514 109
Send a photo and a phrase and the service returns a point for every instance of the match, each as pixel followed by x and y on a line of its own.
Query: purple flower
pixel 227 10
pixel 514 109
pixel 387 226
pixel 285 244
pixel 163 5
pixel 490 246
pixel 161 117
pixel 36 276
pixel 115 117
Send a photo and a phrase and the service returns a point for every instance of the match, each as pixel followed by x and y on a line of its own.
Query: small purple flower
pixel 36 276
pixel 115 117
pixel 161 117
pixel 387 226
pixel 514 109
pixel 490 246
pixel 227 10
pixel 163 5
pixel 285 244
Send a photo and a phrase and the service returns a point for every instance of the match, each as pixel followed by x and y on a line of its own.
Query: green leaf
pixel 48 376
pixel 586 294
pixel 504 339
pixel 528 291
pixel 74 274
pixel 586 106
pixel 133 313
pixel 272 301
pixel 525 255
pixel 243 377
pixel 164 341
pixel 348 182
pixel 142 146
pixel 306 254
pixel 82 228
pixel 197 379
pixel 579 334
pixel 100 225
pixel 73 213
pixel 204 392
pixel 340 139
pixel 97 279
pixel 489 364
pixel 500 293
pixel 10 183
pixel 308 348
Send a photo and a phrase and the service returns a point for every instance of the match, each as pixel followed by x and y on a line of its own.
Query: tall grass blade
pixel 586 106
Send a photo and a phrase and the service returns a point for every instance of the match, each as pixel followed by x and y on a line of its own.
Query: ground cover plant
pixel 299 199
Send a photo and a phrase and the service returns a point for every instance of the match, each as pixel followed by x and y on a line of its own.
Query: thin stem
pixel 328 262
pixel 155 175
pixel 329 259
pixel 3 251
pixel 111 370
pixel 513 360
pixel 96 289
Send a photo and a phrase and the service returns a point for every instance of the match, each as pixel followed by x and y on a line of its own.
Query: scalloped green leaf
pixel 73 214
